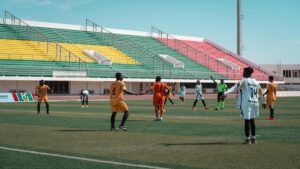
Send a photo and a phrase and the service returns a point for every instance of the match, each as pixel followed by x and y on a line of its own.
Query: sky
pixel 270 28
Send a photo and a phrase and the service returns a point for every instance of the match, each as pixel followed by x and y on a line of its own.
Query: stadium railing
pixel 128 46
pixel 29 33
pixel 193 53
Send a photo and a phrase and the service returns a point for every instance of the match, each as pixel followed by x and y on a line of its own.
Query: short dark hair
pixel 119 76
pixel 42 82
pixel 158 79
pixel 271 78
pixel 248 71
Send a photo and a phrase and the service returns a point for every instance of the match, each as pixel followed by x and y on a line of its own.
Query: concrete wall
pixel 28 86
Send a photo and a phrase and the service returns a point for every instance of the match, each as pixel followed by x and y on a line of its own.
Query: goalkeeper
pixel 221 88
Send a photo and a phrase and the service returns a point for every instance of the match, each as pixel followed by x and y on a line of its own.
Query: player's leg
pixel 47 104
pixel 47 107
pixel 247 132
pixel 204 104
pixel 271 112
pixel 253 128
pixel 195 103
pixel 114 111
pixel 124 119
pixel 222 100
pixel 122 106
pixel 162 108
pixel 171 101
pixel 87 101
pixel 38 107
pixel 82 101
pixel 112 121
pixel 271 109
pixel 218 101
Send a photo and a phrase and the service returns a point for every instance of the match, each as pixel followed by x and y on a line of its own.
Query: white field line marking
pixel 81 158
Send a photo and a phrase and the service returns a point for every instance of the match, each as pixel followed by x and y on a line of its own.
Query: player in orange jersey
pixel 159 95
pixel 117 90
pixel 271 96
pixel 42 94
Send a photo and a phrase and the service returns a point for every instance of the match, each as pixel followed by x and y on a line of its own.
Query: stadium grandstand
pixel 89 55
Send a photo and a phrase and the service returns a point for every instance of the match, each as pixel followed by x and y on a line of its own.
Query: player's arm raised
pixel 213 80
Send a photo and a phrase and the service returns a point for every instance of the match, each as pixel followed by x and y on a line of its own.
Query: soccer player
pixel 169 94
pixel 271 96
pixel 117 90
pixel 182 92
pixel 84 97
pixel 42 94
pixel 248 92
pixel 159 90
pixel 221 88
pixel 199 95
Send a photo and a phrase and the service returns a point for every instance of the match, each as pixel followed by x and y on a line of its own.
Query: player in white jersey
pixel 248 92
pixel 199 95
pixel 84 97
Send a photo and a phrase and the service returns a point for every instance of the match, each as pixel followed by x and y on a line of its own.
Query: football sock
pixel 252 126
pixel 222 105
pixel 195 102
pixel 125 117
pixel 38 107
pixel 113 119
pixel 272 112
pixel 47 107
pixel 203 102
pixel 247 128
pixel 218 105
pixel 171 101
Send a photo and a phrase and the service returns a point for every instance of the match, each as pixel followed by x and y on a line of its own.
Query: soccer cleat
pixel 206 108
pixel 82 106
pixel 114 129
pixel 247 142
pixel 194 108
pixel 47 112
pixel 123 128
pixel 270 118
pixel 253 141
pixel 216 108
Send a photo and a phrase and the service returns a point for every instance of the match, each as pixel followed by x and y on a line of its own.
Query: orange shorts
pixel 117 105
pixel 159 101
pixel 45 99
pixel 271 101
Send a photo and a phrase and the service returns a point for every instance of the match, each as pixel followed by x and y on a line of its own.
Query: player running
pixel 117 90
pixel 159 90
pixel 248 92
pixel 182 92
pixel 199 95
pixel 221 88
pixel 271 96
pixel 84 97
pixel 42 93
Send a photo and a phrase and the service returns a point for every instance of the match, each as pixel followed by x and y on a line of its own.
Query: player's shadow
pixel 79 130
pixel 199 144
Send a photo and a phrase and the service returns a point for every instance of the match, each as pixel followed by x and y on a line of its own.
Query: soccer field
pixel 75 137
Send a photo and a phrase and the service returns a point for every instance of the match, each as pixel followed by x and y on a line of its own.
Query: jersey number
pixel 253 92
